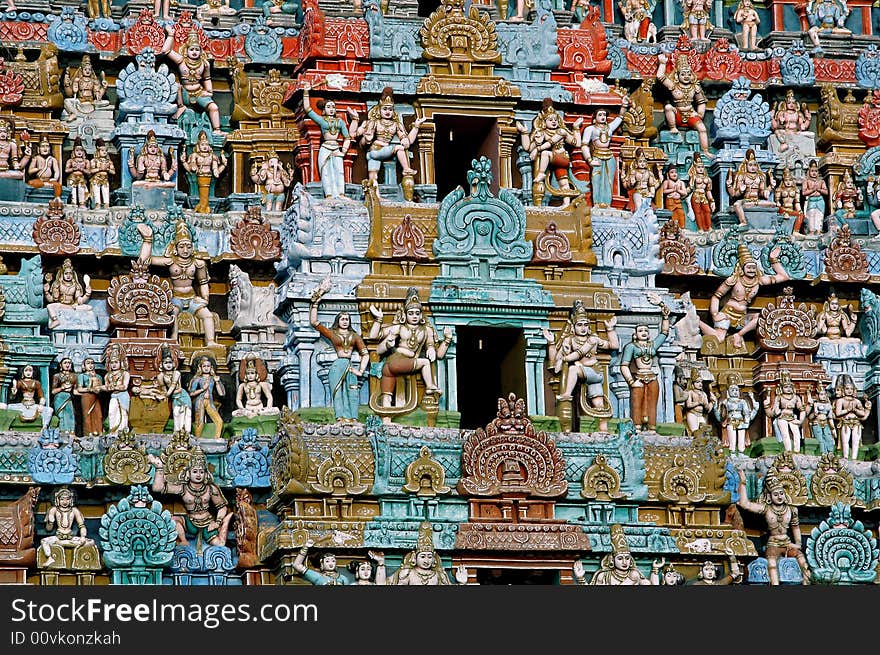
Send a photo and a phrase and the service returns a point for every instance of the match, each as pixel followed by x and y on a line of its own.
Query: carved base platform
pixel 789 571
pixel 57 578
pixel 79 559
pixel 264 425
pixel 12 190
pixel 152 198
pixel 13 575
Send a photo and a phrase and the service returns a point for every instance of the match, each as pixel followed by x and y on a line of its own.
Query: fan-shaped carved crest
pixel 425 476
pixel 253 238
pixel 449 34
pixel 794 482
pixel 289 471
pixel 784 326
pixel 679 255
pixel 509 456
pixel 54 233
pixel 844 259
pixel 601 481
pixel 680 483
pixel 831 483
pixel 140 298
pixel 126 460
pixel 339 476
pixel 408 240
pixel 552 246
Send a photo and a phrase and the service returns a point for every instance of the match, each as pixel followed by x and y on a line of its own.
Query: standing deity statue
pixel 702 200
pixel 781 517
pixel 116 382
pixel 742 286
pixel 88 385
pixel 821 417
pixel 198 493
pixel 253 388
pixel 618 568
pixel 696 18
pixel 99 9
pixel 377 135
pixel 370 570
pixel 787 413
pixel 749 187
pixel 11 166
pixel 641 180
pixel 326 574
pixel 638 366
pixel 101 167
pixel 826 17
pixel 709 576
pixel 814 190
pixel 343 375
pixel 33 401
pixel 422 566
pixel 64 518
pixel 43 169
pixel 275 178
pixel 77 167
pixel 62 387
pixel 196 88
pixel 84 90
pixel 548 147
pixel 674 191
pixel 204 384
pixel 697 404
pixel 637 24
pixel 150 168
pixel 596 148
pixel 735 414
pixel 65 293
pixel 850 413
pixel 688 100
pixel 835 322
pixel 748 18
pixel 169 385
pixel 788 199
pixel 409 345
pixel 578 348
pixel 847 197
pixel 206 166
pixel 330 155
pixel 189 277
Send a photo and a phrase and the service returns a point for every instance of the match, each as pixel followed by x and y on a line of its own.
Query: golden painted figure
pixel 101 167
pixel 77 168
pixel 848 196
pixel 788 199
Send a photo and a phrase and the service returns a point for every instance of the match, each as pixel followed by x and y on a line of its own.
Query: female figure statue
pixel 116 382
pixel 63 383
pixel 169 385
pixel 331 154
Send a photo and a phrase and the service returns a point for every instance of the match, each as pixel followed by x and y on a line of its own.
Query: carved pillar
pixel 667 355
pixel 536 354
pixel 425 140
pixel 446 377
pixel 288 374
pixel 507 141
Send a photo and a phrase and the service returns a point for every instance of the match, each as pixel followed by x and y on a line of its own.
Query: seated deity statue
pixel 788 200
pixel 749 186
pixel 10 161
pixel 151 168
pixel 834 322
pixel 212 8
pixel 253 388
pixel 34 402
pixel 791 127
pixel 68 524
pixel 68 299
pixel 43 169
pixel 423 567
pixel 84 90
pixel 826 17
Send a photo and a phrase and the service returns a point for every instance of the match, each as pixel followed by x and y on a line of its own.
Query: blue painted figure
pixel 331 154
pixel 327 573
pixel 63 384
pixel 597 151
pixel 821 417
pixel 290 8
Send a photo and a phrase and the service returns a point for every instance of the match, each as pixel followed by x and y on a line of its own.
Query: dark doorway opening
pixel 458 140
pixel 427 7
pixel 517 576
pixel 490 364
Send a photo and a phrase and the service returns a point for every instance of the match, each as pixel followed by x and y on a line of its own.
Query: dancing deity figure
pixel 749 187
pixel 101 167
pixel 814 190
pixel 781 517
pixel 202 387
pixel 196 88
pixel 547 145
pixel 787 412
pixel 116 382
pixel 688 100
pixel 150 168
pixel 637 25
pixel 639 367
pixel 735 414
pixel 65 293
pixel 821 417
pixel 702 200
pixel 410 345
pixel 748 18
pixel 596 147
pixel 33 401
pixel 63 518
pixel 640 180
pixel 743 285
pixel 275 178
pixel 618 568
pixel 77 167
pixel 697 404
pixel 189 276
pixel 253 388
pixel 84 90
pixel 835 322
pixel 10 163
pixel 198 493
pixel 674 191
pixel 88 385
pixel 63 384
pixel 330 155
pixel 696 16
pixel 343 375
pixel 850 413
pixel 579 348
pixel 206 166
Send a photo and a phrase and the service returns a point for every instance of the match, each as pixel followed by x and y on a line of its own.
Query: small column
pixel 536 354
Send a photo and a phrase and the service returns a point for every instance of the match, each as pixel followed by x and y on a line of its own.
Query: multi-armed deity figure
pixel 637 25
pixel 65 520
pixel 275 178
pixel 34 401
pixel 206 166
pixel 826 17
pixel 101 167
pixel 748 18
pixel 253 388
pixel 790 123
pixel 84 90
pixel 697 403
pixel 548 147
pixel 423 567
pixel 596 147
pixel 343 375
pixel 835 322
pixel 702 200
pixel 577 348
pixel 202 389
pixel 198 493
pixel 151 168
pixel 618 568
pixel 787 412
pixel 378 132
pixel 77 168
pixel 189 276
pixel 409 345
pixel 814 190
pixel 10 155
pixel 638 366
pixel 88 387
pixel 735 414
pixel 850 414
pixel 781 517
pixel 63 384
pixel 696 18
pixel 674 191
pixel 331 154
pixel 688 100
pixel 116 382
pixel 64 293
pixel 821 417
pixel 743 285
pixel 195 87
pixel 641 180
pixel 749 187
